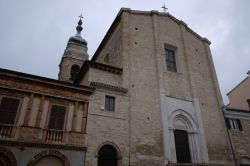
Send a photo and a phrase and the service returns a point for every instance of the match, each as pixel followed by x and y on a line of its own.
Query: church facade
pixel 149 96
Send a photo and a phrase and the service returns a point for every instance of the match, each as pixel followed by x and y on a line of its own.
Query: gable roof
pixel 118 18
pixel 239 83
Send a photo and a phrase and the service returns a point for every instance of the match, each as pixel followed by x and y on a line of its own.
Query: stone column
pixel 74 120
pixel 27 115
pixel 84 118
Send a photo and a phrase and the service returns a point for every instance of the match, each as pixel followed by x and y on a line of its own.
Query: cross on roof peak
pixel 164 8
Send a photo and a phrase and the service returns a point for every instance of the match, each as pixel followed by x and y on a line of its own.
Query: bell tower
pixel 74 56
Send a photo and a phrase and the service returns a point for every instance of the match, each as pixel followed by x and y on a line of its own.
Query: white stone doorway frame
pixel 191 128
pixel 186 113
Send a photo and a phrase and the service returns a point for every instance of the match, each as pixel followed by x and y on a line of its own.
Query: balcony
pixel 6 130
pixel 54 136
pixel 36 134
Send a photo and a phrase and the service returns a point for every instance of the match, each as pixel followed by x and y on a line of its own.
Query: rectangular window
pixel 110 103
pixel 170 60
pixel 248 101
pixel 234 124
pixel 8 110
pixel 56 119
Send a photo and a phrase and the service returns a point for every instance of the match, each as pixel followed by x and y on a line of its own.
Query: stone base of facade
pixel 29 154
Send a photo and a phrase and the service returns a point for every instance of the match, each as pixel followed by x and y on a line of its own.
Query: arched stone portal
pixel 184 137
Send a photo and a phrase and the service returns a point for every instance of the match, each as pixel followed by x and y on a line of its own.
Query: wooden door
pixel 182 146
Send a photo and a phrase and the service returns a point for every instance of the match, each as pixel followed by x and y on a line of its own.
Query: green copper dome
pixel 78 38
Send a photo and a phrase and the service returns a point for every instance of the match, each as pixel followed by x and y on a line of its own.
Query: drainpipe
pixel 229 136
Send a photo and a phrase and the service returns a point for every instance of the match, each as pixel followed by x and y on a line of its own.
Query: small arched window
pixel 74 72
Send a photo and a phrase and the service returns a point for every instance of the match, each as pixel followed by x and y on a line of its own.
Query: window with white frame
pixel 234 124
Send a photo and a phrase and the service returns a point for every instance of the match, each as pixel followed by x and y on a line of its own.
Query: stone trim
pixel 47 153
pixel 42 145
pixel 9 155
pixel 107 86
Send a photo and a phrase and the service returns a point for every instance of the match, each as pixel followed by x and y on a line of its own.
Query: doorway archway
pixel 107 155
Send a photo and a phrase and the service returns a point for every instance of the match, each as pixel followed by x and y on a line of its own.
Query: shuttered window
pixel 8 110
pixel 56 119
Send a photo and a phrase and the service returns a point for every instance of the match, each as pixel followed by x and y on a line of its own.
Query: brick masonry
pixel 140 39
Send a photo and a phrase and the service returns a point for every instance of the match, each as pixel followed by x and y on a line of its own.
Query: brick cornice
pixel 91 64
pixel 43 81
pixel 109 87
pixel 108 68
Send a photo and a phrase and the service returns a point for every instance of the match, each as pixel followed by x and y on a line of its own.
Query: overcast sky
pixel 34 34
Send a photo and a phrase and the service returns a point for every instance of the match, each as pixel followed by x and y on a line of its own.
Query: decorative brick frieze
pixel 107 68
pixel 109 87
pixel 46 153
